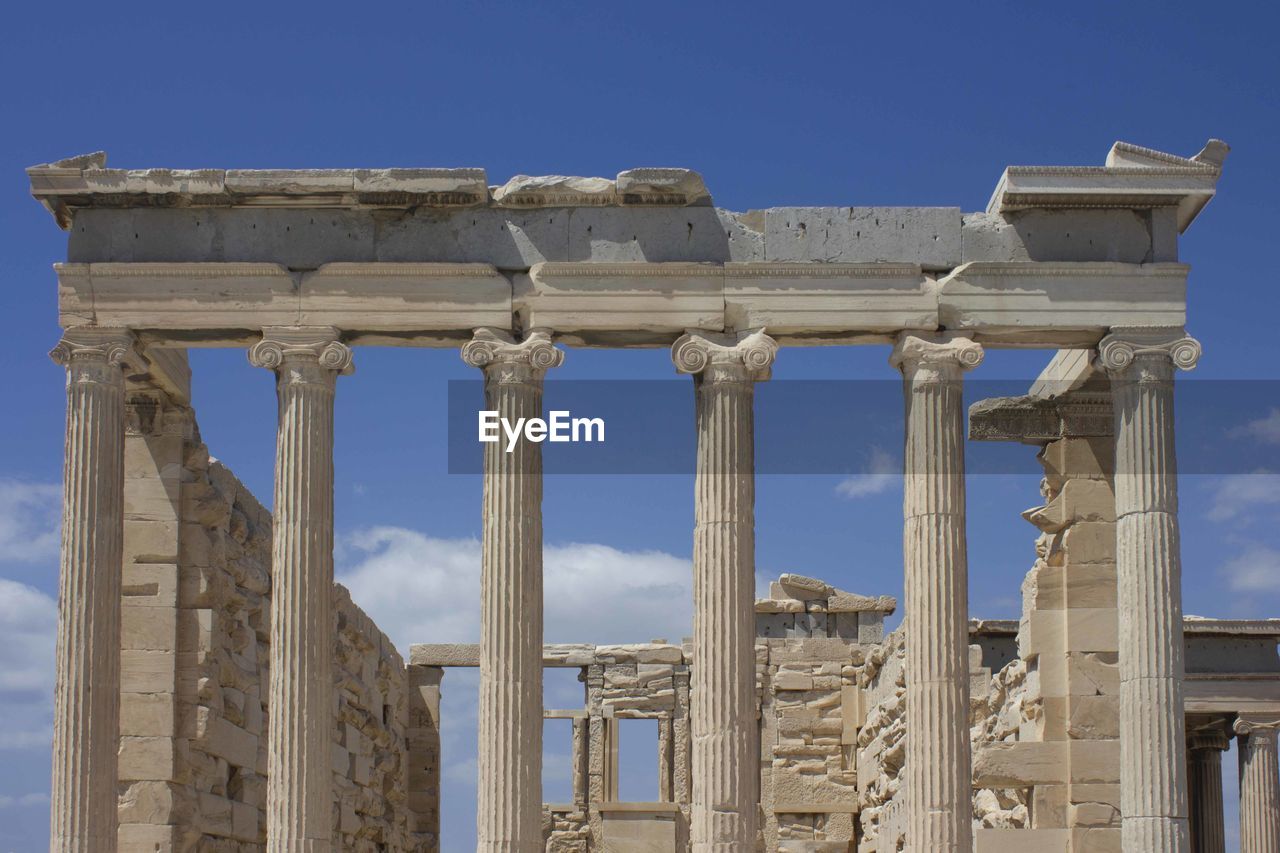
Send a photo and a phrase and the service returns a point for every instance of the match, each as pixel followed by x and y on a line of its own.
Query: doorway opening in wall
pixel 562 693
pixel 638 761
pixel 557 763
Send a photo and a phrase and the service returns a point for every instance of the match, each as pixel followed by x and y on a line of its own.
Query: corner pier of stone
pixel 782 724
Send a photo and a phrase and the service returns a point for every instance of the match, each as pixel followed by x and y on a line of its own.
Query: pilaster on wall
pixel 424 756
pixel 157 803
pixel 1064 745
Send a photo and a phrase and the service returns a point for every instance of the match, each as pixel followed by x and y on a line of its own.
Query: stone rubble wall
pixel 1046 748
pixel 196 601
pixel 881 746
pixel 811 642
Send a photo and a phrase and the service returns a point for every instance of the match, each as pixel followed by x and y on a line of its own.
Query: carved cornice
pixel 709 355
pixel 1124 347
pixel 281 347
pixel 503 358
pixel 1039 420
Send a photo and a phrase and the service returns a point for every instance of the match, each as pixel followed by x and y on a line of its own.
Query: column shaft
pixel 1204 771
pixel 1153 761
pixel 725 732
pixel 86 717
pixel 935 586
pixel 509 796
pixel 1259 788
pixel 301 719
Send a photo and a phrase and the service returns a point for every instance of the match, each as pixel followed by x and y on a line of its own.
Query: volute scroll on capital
pixel 100 346
pixel 502 357
pixel 280 346
pixel 941 351
pixel 1260 727
pixel 752 351
pixel 1122 347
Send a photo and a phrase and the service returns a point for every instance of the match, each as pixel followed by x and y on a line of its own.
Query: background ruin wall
pixel 195 642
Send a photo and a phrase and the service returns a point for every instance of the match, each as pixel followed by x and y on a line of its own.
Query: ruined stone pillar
pixel 726 750
pixel 1153 760
pixel 306 362
pixel 1259 786
pixel 936 589
pixel 1204 766
pixel 509 798
pixel 86 706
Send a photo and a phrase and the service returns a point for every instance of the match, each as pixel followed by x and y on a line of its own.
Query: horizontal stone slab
pixel 385 297
pixel 576 298
pixel 553 655
pixel 620 304
pixel 991 297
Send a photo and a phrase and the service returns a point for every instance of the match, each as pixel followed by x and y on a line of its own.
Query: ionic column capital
pixel 1210 737
pixel 1262 728
pixel 1158 346
pixel 95 347
pixel 941 356
pixel 747 356
pixel 301 345
pixel 506 360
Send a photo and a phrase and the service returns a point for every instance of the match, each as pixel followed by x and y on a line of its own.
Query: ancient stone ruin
pixel 217 691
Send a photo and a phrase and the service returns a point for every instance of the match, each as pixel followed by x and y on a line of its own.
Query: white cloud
pixel 420 589
pixel 1238 494
pixel 883 473
pixel 28 629
pixel 1266 430
pixel 24 800
pixel 1255 570
pixel 29 520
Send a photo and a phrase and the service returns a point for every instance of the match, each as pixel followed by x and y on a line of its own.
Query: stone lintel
pixel 1002 298
pixel 633 303
pixel 553 654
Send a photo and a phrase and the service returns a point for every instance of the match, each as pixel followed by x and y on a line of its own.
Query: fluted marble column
pixel 936 589
pixel 726 751
pixel 509 797
pixel 1204 769
pixel 86 707
pixel 306 362
pixel 1153 759
pixel 1259 786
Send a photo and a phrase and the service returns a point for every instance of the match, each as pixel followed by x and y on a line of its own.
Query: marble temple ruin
pixel 216 690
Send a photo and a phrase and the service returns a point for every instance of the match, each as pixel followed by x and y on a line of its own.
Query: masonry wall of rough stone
pixel 811 641
pixel 196 598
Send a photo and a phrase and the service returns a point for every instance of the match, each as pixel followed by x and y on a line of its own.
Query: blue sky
pixel 775 104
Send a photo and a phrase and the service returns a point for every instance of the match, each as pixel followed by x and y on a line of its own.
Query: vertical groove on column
pixel 87 697
pixel 725 753
pixel 509 803
pixel 1153 790
pixel 1204 766
pixel 937 767
pixel 1259 791
pixel 300 725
